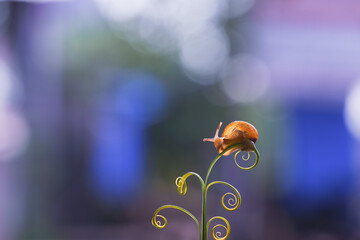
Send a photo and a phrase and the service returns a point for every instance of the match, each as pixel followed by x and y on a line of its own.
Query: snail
pixel 235 132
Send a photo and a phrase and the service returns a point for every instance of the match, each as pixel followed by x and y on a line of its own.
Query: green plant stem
pixel 203 212
pixel 203 217
pixel 204 190
pixel 181 184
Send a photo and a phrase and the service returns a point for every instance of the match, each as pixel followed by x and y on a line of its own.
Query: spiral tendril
pixel 216 234
pixel 235 199
pixel 181 185
pixel 246 159
pixel 233 202
pixel 180 182
pixel 157 223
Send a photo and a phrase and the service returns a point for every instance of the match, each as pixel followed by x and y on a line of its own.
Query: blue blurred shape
pixel 320 174
pixel 141 98
pixel 134 101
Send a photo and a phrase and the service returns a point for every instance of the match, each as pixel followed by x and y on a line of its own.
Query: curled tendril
pixel 180 182
pixel 158 224
pixel 235 199
pixel 233 202
pixel 181 185
pixel 247 158
pixel 217 235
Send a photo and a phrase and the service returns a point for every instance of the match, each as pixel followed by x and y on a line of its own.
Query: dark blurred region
pixel 104 103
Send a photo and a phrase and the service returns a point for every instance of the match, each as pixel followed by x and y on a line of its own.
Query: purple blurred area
pixel 104 103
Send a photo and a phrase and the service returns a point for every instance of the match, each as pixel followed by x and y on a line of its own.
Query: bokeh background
pixel 104 103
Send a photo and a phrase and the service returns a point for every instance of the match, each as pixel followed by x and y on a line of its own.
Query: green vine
pixel 231 204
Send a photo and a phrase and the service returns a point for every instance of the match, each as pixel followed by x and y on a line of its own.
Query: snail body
pixel 235 133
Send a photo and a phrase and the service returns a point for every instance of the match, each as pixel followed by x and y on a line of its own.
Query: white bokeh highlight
pixel 204 53
pixel 352 110
pixel 245 78
pixel 191 29
pixel 14 135
pixel 5 83
pixel 14 129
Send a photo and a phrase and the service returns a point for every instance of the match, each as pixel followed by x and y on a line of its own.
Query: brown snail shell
pixel 235 132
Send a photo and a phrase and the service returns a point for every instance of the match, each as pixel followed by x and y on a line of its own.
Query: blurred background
pixel 104 103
